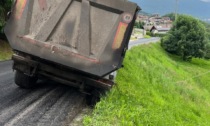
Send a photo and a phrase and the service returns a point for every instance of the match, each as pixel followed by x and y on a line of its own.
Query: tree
pixel 5 6
pixel 207 52
pixel 139 24
pixel 187 38
pixel 207 25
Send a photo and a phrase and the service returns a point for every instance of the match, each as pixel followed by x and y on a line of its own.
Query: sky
pixel 196 8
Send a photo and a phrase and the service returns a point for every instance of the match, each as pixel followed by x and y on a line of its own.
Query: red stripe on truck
pixel 119 35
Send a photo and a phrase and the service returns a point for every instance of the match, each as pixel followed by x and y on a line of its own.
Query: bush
pixel 139 24
pixel 208 35
pixel 155 35
pixel 207 52
pixel 147 36
pixel 5 6
pixel 149 33
pixel 159 35
pixel 187 38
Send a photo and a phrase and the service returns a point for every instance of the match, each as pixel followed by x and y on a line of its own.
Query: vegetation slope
pixel 155 88
pixel 5 51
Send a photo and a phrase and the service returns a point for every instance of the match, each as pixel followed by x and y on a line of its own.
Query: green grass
pixel 147 36
pixel 5 51
pixel 157 89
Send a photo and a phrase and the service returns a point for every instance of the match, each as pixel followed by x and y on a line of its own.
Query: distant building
pixel 148 27
pixel 142 18
pixel 155 23
pixel 138 33
pixel 159 29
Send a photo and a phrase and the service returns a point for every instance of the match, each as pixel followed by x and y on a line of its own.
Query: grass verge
pixel 147 36
pixel 5 51
pixel 133 38
pixel 155 88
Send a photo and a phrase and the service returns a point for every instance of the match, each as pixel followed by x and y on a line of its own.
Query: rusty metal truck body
pixel 76 42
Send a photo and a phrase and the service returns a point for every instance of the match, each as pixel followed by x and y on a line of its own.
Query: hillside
pixel 155 88
pixel 144 13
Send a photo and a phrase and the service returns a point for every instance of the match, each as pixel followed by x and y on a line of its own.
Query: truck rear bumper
pixel 58 73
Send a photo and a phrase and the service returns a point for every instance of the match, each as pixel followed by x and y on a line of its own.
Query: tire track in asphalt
pixel 48 104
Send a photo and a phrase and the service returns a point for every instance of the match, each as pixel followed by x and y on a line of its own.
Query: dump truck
pixel 73 42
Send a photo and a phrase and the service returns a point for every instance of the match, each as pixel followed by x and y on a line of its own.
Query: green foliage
pixel 5 51
pixel 156 89
pixel 208 35
pixel 155 35
pixel 147 36
pixel 207 55
pixel 139 25
pixel 207 25
pixel 207 51
pixel 149 33
pixel 159 35
pixel 5 6
pixel 187 38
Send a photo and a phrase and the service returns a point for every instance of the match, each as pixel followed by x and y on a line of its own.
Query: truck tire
pixel 25 81
pixel 95 97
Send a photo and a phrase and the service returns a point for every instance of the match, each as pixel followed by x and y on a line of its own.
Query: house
pixel 142 18
pixel 159 29
pixel 148 27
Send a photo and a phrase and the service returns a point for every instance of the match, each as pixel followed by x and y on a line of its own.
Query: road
pixel 143 41
pixel 48 104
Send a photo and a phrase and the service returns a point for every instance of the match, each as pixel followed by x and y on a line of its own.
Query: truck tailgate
pixel 90 36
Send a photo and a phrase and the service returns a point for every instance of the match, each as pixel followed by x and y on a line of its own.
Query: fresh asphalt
pixel 49 104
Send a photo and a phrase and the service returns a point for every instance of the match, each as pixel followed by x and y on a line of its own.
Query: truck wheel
pixel 24 81
pixel 95 96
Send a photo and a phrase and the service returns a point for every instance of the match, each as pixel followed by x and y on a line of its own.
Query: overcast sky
pixel 197 8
